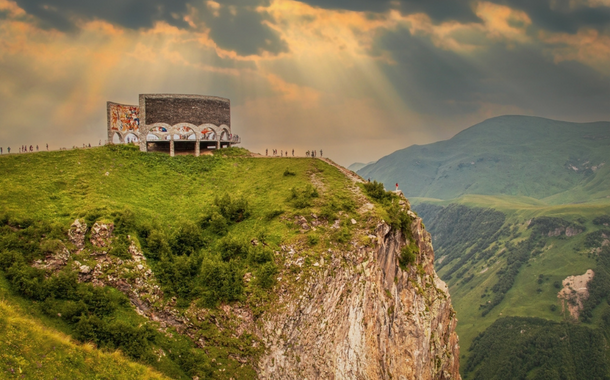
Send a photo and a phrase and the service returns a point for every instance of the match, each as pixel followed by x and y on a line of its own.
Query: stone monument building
pixel 173 123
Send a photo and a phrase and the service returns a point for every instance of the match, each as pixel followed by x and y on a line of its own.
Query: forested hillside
pixel 505 267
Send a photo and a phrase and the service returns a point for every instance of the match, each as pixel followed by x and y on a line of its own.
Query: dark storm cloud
pixel 241 30
pixel 438 10
pixel 559 15
pixel 553 15
pixel 60 14
pixel 440 82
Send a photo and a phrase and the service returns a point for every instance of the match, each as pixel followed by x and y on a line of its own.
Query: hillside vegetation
pixel 555 161
pixel 194 258
pixel 502 263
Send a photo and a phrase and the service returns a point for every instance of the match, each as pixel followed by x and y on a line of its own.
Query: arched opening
pixel 183 143
pixel 116 138
pixel 131 138
pixel 157 140
pixel 208 134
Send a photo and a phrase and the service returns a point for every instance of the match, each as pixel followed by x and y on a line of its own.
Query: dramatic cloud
pixel 356 78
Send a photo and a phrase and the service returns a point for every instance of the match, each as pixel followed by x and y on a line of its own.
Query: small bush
pixel 120 247
pixel 265 275
pixel 221 281
pixel 218 224
pixel 232 248
pixel 187 239
pixel 233 209
pixel 408 255
pixel 157 244
pixel 289 173
pixel 376 191
pixel 302 197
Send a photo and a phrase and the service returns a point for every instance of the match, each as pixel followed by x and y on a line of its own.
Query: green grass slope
pixel 525 156
pixel 32 349
pixel 210 227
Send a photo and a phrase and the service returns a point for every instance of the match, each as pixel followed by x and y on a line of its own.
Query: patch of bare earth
pixel 575 292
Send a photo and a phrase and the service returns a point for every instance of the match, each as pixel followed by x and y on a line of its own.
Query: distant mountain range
pixel 358 165
pixel 555 161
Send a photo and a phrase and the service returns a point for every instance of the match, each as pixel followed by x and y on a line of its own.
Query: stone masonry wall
pixel 193 109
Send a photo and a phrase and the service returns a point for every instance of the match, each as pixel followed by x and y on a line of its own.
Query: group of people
pixel 23 149
pixel 282 153
pixel 274 152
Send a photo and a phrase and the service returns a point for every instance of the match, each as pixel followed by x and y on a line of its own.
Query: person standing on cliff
pixel 9 150
pixel 321 155
pixel 48 145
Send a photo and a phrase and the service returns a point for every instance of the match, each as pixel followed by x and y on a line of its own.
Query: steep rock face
pixel 361 316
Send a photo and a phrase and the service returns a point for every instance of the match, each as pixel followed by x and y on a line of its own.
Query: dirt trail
pixel 348 173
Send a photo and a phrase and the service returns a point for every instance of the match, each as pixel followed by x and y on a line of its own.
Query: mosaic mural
pixel 124 118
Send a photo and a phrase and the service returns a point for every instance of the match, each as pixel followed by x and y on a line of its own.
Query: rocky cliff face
pixel 360 316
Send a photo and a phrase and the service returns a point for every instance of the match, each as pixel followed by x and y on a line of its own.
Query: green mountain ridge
pixel 554 161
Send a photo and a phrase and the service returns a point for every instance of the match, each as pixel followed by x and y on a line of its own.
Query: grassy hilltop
pixel 211 228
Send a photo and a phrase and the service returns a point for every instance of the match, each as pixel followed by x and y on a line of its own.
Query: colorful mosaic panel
pixel 124 118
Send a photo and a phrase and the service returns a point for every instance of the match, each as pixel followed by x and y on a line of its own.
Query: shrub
pixel 233 209
pixel 265 275
pixel 187 239
pixel 120 247
pixel 222 282
pixel 408 255
pixel 289 173
pixel 124 221
pixel 603 220
pixel 218 224
pixel 232 248
pixel 157 244
pixel 302 197
pixel 260 255
pixel 399 219
pixel 376 191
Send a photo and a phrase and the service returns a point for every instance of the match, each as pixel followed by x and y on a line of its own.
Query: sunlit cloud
pixel 588 46
pixel 364 81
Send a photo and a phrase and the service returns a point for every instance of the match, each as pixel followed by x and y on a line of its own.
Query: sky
pixel 356 78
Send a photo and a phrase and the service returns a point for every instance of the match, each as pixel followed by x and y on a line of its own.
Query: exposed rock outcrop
pixel 363 317
pixel 575 292
pixel 77 232
pixel 101 234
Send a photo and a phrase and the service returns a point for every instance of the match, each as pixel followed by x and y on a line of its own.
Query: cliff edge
pixel 361 315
